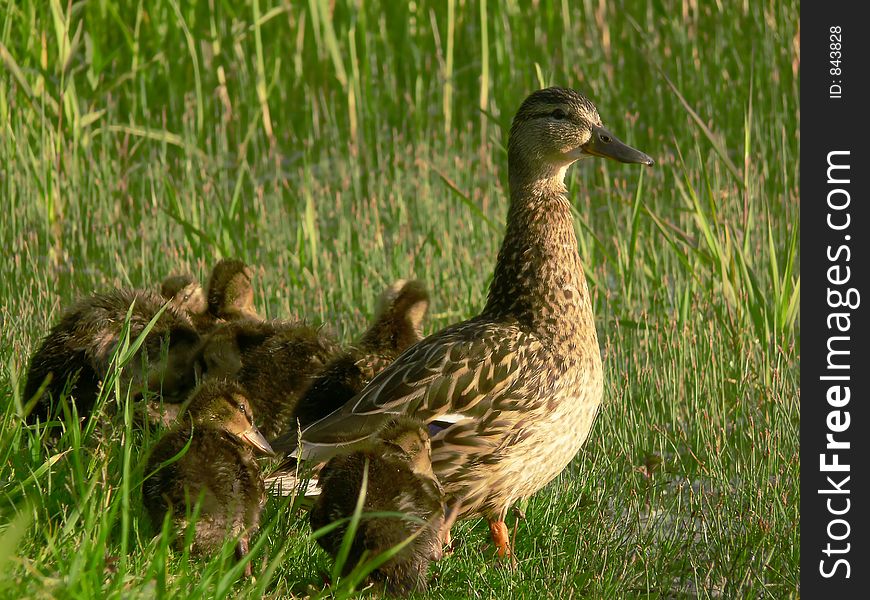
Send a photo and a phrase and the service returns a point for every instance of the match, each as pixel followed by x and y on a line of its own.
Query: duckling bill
pixel 399 479
pixel 218 469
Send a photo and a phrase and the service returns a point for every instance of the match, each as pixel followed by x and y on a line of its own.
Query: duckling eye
pixel 559 114
pixel 242 408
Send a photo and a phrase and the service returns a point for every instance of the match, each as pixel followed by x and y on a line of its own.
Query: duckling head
pixel 555 127
pixel 399 316
pixel 223 405
pixel 407 439
pixel 185 292
pixel 230 291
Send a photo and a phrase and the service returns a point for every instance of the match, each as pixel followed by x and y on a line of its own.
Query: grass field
pixel 340 145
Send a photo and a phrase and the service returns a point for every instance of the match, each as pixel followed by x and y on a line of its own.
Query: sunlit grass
pixel 338 149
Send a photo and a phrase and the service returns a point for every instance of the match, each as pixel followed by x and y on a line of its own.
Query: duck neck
pixel 538 278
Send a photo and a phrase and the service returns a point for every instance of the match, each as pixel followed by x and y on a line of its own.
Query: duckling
pixel 397 325
pixel 230 291
pixel 400 479
pixel 218 467
pixel 229 297
pixel 517 387
pixel 274 361
pixel 79 348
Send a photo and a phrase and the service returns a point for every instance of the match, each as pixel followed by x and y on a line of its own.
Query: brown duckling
pixel 185 292
pixel 274 361
pixel 81 345
pixel 230 291
pixel 219 467
pixel 229 297
pixel 400 479
pixel 397 325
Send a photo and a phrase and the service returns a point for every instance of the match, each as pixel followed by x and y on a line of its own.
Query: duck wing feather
pixel 472 371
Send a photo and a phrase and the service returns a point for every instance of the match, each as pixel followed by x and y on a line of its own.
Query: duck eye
pixel 605 138
pixel 559 114
pixel 242 407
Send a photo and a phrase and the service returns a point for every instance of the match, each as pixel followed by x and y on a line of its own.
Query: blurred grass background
pixel 340 145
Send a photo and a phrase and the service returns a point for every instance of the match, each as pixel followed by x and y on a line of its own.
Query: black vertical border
pixel 834 124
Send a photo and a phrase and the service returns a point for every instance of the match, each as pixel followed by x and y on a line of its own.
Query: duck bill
pixel 603 143
pixel 253 437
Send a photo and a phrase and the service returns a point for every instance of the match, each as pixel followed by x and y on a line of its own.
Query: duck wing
pixel 466 373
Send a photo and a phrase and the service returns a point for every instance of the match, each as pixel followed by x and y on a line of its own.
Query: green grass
pixel 338 149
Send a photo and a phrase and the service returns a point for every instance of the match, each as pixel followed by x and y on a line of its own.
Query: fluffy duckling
pixel 230 291
pixel 397 325
pixel 79 348
pixel 219 467
pixel 400 479
pixel 229 295
pixel 274 361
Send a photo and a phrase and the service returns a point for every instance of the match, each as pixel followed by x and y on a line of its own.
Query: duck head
pixel 175 369
pixel 555 127
pixel 408 439
pixel 223 405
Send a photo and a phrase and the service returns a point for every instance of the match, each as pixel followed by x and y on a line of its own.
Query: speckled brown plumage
pixel 274 361
pixel 219 467
pixel 229 295
pixel 397 325
pixel 399 479
pixel 516 388
pixel 82 343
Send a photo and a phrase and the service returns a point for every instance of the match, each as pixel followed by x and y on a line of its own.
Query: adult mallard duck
pixel 218 469
pixel 397 325
pixel 516 388
pixel 398 470
pixel 229 295
pixel 79 348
